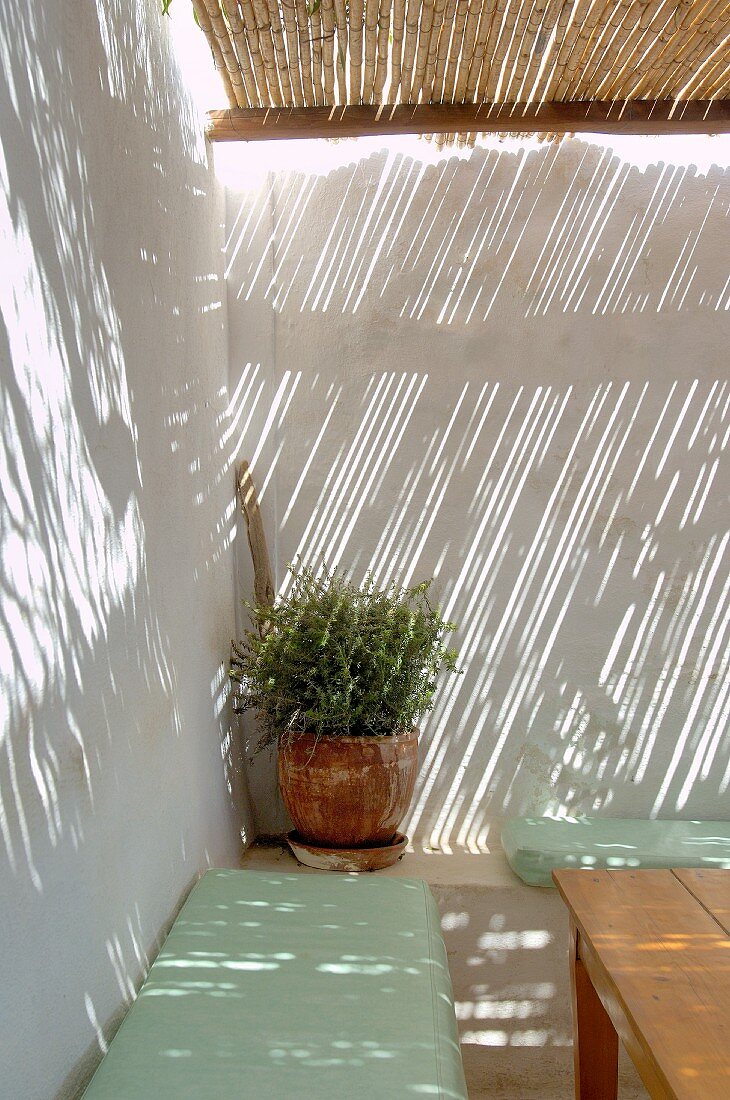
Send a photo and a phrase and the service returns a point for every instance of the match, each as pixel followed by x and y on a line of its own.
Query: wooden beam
pixel 631 117
pixel 263 578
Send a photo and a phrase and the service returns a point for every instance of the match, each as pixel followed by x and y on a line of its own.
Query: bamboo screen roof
pixel 295 53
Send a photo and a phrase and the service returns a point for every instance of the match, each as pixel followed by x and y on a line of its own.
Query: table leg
pixel 595 1042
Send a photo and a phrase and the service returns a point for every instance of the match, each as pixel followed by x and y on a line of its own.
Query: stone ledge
pixel 436 868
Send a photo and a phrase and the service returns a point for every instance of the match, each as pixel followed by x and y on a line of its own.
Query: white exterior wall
pixel 116 605
pixel 510 370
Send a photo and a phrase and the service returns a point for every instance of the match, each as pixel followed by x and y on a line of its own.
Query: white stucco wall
pixel 116 604
pixel 509 369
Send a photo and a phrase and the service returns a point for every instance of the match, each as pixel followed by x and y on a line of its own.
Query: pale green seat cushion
pixel 292 986
pixel 537 846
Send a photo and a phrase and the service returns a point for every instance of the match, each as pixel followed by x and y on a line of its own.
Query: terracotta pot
pixel 348 792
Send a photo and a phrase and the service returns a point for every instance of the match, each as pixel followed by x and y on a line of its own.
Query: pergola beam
pixel 649 117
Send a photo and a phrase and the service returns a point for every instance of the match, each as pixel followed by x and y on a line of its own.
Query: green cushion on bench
pixel 292 986
pixel 536 846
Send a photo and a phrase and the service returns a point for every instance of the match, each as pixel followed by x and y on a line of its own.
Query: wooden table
pixel 650 963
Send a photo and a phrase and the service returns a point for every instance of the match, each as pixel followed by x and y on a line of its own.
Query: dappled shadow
pixel 564 229
pixel 509 969
pixel 115 590
pixel 558 460
pixel 315 972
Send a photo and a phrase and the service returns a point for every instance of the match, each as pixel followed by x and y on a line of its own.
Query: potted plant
pixel 340 674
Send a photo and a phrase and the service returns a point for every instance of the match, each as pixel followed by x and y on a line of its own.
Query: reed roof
pixel 316 53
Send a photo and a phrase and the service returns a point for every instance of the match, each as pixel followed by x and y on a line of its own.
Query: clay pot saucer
pixel 348 859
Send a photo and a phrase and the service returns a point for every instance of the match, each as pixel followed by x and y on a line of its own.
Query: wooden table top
pixel 656 945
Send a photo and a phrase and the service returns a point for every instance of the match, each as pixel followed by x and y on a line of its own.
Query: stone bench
pixel 292 986
pixel 537 846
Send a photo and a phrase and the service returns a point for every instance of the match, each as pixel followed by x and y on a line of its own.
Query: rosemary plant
pixel 336 658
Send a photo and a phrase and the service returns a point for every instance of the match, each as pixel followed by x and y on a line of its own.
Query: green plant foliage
pixel 166 10
pixel 336 658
